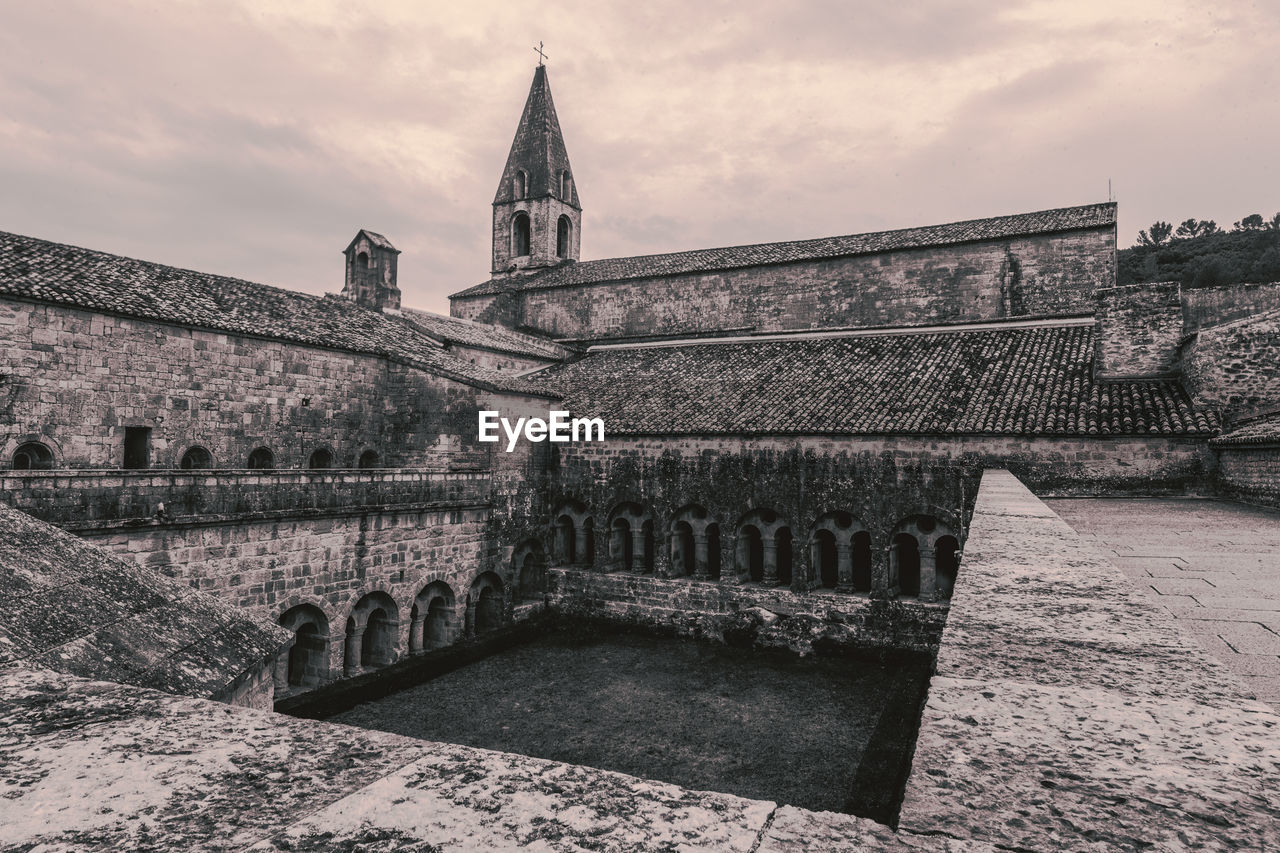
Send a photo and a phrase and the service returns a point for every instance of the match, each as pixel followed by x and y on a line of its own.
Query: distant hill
pixel 1199 254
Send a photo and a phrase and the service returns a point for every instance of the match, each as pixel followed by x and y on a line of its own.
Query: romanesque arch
pixel 694 543
pixel 432 618
pixel 306 662
pixel 840 553
pixel 373 630
pixel 574 534
pixel 764 548
pixel 196 457
pixel 631 546
pixel 529 570
pixel 913 565
pixel 32 456
pixel 486 605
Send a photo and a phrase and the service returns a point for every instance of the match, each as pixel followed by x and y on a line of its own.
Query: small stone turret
pixel 371 272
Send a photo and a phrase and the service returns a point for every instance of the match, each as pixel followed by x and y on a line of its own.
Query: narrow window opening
pixel 520 238
pixel 564 231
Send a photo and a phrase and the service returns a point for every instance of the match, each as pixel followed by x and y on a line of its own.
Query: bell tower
pixel 371 272
pixel 536 215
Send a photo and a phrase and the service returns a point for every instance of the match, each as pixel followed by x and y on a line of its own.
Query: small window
pixel 262 459
pixel 32 456
pixel 370 459
pixel 566 186
pixel 519 187
pixel 520 238
pixel 196 457
pixel 321 457
pixel 564 233
pixel 137 447
pixel 363 259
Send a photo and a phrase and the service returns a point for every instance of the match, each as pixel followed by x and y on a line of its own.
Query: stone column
pixel 770 562
pixel 469 626
pixel 883 582
pixel 416 646
pixel 928 572
pixel 351 656
pixel 637 550
pixel 701 559
pixel 581 551
pixel 844 565
pixel 280 672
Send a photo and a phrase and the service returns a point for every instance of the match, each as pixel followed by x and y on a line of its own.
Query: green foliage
pixel 1199 254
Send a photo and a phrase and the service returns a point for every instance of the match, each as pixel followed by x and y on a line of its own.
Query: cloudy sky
pixel 252 139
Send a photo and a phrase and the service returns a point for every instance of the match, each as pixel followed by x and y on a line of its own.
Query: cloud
pixel 254 139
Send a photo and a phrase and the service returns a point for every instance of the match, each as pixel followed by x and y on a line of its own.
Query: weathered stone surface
pixel 795 830
pixel 1081 723
pixel 71 607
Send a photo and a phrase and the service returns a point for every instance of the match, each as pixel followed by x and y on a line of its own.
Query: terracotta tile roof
pixel 96 281
pixel 1264 430
pixel 1027 380
pixel 468 333
pixel 704 260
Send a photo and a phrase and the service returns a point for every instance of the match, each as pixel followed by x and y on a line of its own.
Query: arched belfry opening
pixel 520 235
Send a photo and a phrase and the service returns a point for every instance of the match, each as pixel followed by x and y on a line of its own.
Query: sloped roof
pixel 72 607
pixel 375 238
pixel 1022 380
pixel 537 149
pixel 1264 430
pixel 97 281
pixel 733 257
pixel 483 336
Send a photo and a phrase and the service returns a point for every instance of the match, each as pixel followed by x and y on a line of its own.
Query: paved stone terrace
pixel 1213 565
pixel 1070 713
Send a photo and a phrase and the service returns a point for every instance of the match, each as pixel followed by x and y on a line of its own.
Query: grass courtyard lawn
pixel 702 716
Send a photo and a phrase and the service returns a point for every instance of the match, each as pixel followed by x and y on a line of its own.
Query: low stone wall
pixel 1067 713
pixel 72 497
pixel 1250 473
pixel 750 614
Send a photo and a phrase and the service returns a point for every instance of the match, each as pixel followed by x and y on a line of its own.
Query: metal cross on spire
pixel 541 55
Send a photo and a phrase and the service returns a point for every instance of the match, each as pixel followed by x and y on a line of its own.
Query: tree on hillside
pixel 1273 224
pixel 1158 233
pixel 1252 222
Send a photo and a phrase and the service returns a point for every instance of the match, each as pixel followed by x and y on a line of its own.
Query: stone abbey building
pixel 797 426
pixel 808 417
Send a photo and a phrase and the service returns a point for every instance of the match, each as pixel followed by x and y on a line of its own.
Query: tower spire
pixel 536 212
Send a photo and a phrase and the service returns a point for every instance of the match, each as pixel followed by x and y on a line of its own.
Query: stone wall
pixel 1049 274
pixel 78 498
pixel 1235 366
pixel 494 360
pixel 84 377
pixel 329 562
pixel 707 610
pixel 1250 473
pixel 1139 330
pixel 1210 306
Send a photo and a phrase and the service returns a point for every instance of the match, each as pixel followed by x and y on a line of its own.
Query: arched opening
pixel 947 557
pixel 862 561
pixel 377 645
pixel 907 551
pixel 262 459
pixel 363 259
pixel 566 185
pixel 622 545
pixel 370 459
pixel 564 231
pixel 530 571
pixel 196 457
pixel 321 457
pixel 683 550
pixel 786 558
pixel 566 544
pixel 307 663
pixel 713 551
pixel 520 236
pixel 751 552
pixel 32 456
pixel 825 559
pixel 438 627
pixel 486 596
pixel 519 184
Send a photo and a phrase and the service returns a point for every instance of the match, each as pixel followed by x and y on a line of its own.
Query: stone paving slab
pixel 1234 547
pixel 799 831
